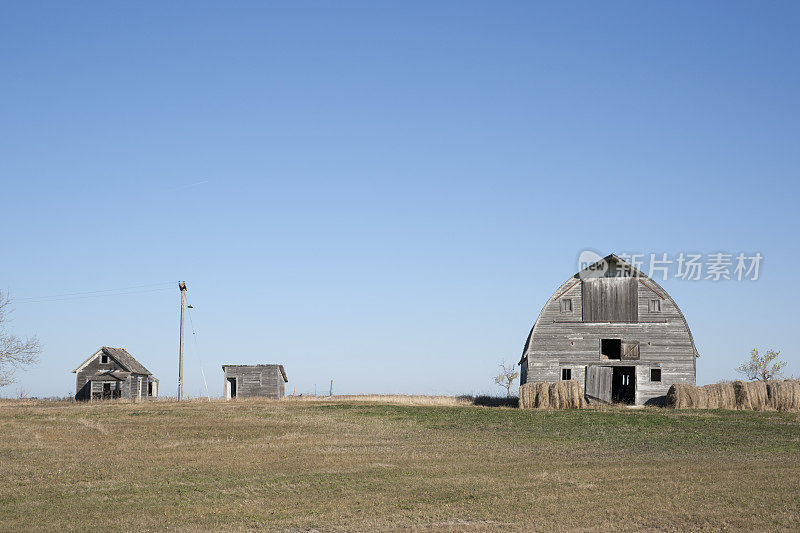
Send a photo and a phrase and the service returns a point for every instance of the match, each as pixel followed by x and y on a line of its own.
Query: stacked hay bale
pixel 559 395
pixel 784 395
pixel 754 395
pixel 751 395
pixel 685 396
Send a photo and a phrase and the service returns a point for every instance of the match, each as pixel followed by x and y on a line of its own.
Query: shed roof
pixel 280 367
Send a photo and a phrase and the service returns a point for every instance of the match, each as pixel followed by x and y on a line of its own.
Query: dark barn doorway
pixel 232 387
pixel 611 348
pixel 623 384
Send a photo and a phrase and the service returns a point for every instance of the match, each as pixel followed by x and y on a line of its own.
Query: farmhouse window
pixel 655 306
pixel 566 305
pixel 655 374
pixel 104 359
pixel 566 374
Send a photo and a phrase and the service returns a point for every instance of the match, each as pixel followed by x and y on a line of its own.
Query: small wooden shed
pixel 113 373
pixel 244 381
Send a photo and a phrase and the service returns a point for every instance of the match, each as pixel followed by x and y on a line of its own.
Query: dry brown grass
pixel 365 465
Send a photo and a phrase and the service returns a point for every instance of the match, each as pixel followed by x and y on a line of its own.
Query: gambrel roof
pixel 121 356
pixel 622 268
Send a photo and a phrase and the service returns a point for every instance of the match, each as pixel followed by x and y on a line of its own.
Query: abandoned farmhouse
pixel 615 331
pixel 245 381
pixel 113 373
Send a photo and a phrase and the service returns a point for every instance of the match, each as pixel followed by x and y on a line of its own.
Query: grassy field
pixel 365 465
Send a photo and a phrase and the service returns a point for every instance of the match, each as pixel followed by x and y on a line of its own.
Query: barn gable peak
pixel 610 266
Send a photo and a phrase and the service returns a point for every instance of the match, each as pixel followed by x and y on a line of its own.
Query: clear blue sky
pixel 386 194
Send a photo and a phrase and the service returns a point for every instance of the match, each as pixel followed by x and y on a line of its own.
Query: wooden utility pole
pixel 182 287
pixel 331 392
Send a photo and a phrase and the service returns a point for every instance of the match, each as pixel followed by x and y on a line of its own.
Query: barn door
pixel 630 350
pixel 598 382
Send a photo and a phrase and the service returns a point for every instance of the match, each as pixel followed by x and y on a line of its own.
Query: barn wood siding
pixel 562 340
pixel 610 299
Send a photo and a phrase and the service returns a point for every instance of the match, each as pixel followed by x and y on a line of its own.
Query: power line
pixel 121 291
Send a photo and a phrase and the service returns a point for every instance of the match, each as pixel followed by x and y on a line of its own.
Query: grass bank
pixel 358 464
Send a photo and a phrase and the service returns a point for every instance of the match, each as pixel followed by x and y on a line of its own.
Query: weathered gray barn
pixel 244 381
pixel 615 331
pixel 113 373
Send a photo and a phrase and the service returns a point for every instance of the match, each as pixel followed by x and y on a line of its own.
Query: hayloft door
pixel 598 382
pixel 630 350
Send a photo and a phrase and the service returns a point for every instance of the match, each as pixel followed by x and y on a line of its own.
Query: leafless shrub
pixel 15 352
pixel 508 374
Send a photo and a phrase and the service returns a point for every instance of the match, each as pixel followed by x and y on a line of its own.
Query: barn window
pixel 104 359
pixel 655 374
pixel 566 305
pixel 655 306
pixel 566 374
pixel 611 348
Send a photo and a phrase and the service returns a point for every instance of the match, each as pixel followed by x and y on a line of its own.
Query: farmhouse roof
pixel 121 356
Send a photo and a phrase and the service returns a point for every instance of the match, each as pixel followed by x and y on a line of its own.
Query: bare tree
pixel 506 377
pixel 762 367
pixel 15 352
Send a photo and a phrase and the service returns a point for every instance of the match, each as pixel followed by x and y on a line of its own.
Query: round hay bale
pixel 527 396
pixel 558 395
pixel 719 396
pixel 542 400
pixel 757 392
pixel 751 395
pixel 741 395
pixel 566 395
pixel 686 396
pixel 784 395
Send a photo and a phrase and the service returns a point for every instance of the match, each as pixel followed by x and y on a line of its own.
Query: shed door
pixel 598 382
